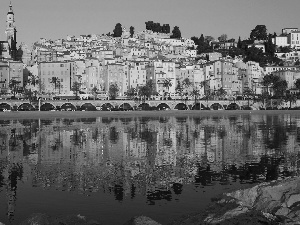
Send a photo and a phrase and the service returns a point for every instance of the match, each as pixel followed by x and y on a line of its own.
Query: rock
pixel 2 223
pixel 44 219
pixel 141 220
pixel 276 202
pixel 293 199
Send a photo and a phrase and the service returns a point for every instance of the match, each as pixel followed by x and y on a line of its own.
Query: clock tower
pixel 11 32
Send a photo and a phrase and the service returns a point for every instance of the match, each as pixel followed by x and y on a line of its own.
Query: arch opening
pixel 216 106
pixel 144 106
pixel 181 106
pixel 5 107
pixel 68 107
pixel 233 106
pixel 47 107
pixel 26 107
pixel 125 107
pixel 163 106
pixel 107 107
pixel 88 107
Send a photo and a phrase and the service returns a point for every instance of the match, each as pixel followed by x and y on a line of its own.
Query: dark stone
pixel 141 220
pixel 44 219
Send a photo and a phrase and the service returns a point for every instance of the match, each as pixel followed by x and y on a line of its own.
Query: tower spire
pixel 10 11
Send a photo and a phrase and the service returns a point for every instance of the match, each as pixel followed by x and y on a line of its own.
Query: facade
pixel 10 70
pixel 294 39
pixel 281 41
pixel 290 76
pixel 159 71
pixel 64 72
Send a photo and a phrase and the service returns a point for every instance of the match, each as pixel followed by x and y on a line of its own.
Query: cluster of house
pixel 97 61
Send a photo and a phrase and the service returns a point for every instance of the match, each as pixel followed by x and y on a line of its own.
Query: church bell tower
pixel 11 32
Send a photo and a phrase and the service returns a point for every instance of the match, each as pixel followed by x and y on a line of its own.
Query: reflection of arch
pixel 216 106
pixel 125 107
pixel 233 106
pixel 144 106
pixel 47 107
pixel 163 106
pixel 68 107
pixel 181 106
pixel 4 106
pixel 88 107
pixel 26 107
pixel 107 107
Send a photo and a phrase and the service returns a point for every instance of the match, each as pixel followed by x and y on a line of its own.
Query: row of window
pixel 53 73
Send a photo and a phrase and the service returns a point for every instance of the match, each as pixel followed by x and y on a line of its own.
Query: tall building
pixel 11 32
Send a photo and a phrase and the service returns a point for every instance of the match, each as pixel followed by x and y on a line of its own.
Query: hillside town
pixel 154 63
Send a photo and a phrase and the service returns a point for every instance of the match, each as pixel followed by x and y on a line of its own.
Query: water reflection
pixel 146 156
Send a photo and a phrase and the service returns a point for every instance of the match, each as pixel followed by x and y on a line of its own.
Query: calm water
pixel 110 169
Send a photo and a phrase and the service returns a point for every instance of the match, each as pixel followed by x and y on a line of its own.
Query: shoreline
pixel 93 114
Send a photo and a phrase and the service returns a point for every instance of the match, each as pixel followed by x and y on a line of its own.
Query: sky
pixel 56 19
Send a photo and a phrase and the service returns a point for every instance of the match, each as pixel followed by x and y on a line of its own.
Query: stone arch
pixel 47 107
pixel 5 106
pixel 88 107
pixel 181 106
pixel 125 107
pixel 163 106
pixel 68 107
pixel 106 107
pixel 26 107
pixel 197 107
pixel 144 106
pixel 216 106
pixel 233 106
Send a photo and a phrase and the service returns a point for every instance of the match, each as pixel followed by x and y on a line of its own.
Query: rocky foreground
pixel 276 202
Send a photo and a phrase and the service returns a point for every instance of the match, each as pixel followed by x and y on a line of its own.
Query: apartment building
pixel 159 70
pixel 64 74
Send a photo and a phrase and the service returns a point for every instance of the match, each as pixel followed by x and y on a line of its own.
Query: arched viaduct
pixel 102 104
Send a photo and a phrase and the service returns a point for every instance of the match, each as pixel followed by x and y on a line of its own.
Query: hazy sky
pixel 57 18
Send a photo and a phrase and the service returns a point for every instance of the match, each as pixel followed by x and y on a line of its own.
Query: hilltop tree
pixel 222 38
pixel 176 33
pixel 131 31
pixel 270 47
pixel 259 33
pixel 118 30
pixel 208 39
pixel 166 29
pixel 239 44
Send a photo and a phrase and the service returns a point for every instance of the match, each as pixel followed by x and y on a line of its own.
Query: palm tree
pixel 179 89
pixel 55 81
pixel 196 94
pixel 167 84
pixel 248 93
pixel 14 86
pixel 290 97
pixel 221 93
pixel 94 92
pixel 131 93
pixel 263 98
